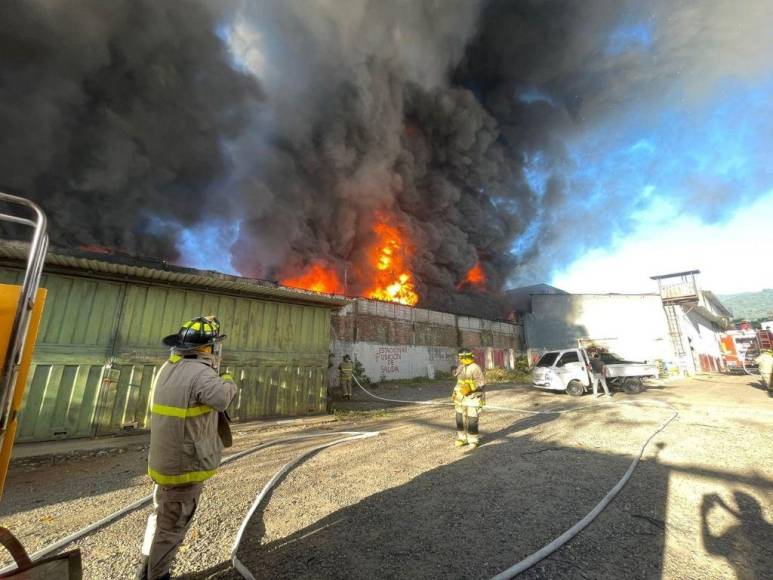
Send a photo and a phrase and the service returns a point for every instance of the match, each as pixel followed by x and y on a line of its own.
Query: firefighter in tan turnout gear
pixel 345 374
pixel 765 362
pixel 185 445
pixel 469 399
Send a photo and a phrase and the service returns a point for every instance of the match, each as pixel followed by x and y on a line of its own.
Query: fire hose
pixel 355 435
pixel 83 532
pixel 562 539
pixel 261 497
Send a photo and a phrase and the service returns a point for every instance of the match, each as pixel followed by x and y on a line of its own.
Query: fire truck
pixel 21 309
pixel 741 347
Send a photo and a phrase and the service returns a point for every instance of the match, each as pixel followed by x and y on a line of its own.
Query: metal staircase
pixel 765 339
pixel 679 291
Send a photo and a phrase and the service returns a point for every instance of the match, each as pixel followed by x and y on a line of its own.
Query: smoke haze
pixel 498 132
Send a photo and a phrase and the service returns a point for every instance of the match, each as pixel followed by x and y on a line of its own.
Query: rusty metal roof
pixel 123 267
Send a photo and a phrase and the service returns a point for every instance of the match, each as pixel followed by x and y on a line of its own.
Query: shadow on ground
pixel 477 516
pixel 747 544
pixel 57 480
pixel 493 506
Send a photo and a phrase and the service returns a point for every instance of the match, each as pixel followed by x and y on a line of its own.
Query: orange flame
pixel 393 279
pixel 317 279
pixel 475 276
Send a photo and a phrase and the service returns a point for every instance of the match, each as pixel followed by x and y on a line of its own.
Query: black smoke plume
pixel 301 121
pixel 113 116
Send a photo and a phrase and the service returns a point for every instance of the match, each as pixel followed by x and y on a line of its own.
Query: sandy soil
pixel 408 504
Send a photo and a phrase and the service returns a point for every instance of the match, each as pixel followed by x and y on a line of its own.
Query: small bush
pixel 359 372
pixel 522 365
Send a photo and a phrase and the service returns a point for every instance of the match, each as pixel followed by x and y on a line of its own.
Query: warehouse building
pixel 393 341
pixel 99 346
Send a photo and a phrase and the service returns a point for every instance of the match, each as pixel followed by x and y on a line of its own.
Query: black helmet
pixel 195 333
pixel 465 353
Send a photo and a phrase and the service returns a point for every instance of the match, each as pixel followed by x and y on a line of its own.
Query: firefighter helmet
pixel 197 332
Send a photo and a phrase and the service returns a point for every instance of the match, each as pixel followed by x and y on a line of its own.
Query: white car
pixel 569 370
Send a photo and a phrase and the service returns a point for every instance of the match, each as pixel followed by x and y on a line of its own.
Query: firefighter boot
pixel 472 432
pixel 461 436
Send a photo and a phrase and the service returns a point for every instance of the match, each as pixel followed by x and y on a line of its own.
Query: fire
pixel 475 276
pixel 384 272
pixel 317 279
pixel 393 281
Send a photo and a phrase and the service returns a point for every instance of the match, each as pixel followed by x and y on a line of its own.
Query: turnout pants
pixel 467 412
pixel 173 510
pixel 767 380
pixel 599 378
pixel 346 385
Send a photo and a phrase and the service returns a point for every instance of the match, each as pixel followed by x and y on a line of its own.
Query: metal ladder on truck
pixel 21 309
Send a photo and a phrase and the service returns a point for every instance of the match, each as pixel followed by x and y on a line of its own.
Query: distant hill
pixel 750 305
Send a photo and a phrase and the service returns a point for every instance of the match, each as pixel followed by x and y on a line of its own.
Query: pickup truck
pixel 569 370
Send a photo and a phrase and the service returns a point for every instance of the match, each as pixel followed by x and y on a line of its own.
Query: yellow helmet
pixel 195 333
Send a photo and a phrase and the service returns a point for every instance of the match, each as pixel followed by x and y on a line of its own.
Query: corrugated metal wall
pixel 99 349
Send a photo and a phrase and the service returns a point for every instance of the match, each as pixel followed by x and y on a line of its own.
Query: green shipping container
pixel 99 346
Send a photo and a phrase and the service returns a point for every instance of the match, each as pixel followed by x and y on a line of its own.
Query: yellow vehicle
pixel 21 308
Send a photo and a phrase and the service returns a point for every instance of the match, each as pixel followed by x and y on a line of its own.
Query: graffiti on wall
pixel 389 357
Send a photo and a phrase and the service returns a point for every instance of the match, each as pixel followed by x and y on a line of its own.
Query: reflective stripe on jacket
pixel 471 375
pixel 346 370
pixel 184 443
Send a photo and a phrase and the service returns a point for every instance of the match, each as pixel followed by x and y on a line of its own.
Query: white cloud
pixel 734 256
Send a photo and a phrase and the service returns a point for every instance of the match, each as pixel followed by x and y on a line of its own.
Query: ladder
pixel 674 330
pixel 765 339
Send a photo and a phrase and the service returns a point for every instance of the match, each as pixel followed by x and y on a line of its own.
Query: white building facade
pixel 630 325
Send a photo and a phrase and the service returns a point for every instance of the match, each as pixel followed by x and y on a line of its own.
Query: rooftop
pixel 125 267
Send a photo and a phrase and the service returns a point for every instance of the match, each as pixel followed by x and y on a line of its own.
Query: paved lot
pixel 408 504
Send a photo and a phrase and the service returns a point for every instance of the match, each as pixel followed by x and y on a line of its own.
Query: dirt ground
pixel 409 504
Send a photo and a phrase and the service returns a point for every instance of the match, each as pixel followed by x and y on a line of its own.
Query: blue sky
pixel 209 256
pixel 733 255
pixel 672 167
pixel 687 186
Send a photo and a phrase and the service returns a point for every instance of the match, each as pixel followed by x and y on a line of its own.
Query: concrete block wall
pixel 397 342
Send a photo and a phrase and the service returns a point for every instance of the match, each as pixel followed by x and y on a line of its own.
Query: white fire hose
pixel 559 541
pixel 58 545
pixel 237 564
pixel 356 435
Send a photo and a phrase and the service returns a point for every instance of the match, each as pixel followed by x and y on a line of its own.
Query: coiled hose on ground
pixel 511 572
pixel 83 532
pixel 554 545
